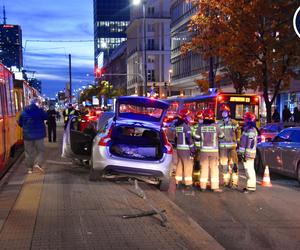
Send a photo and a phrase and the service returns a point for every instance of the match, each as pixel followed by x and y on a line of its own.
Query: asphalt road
pixel 266 219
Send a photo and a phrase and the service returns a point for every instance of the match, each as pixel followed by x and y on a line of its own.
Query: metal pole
pixel 70 78
pixel 211 76
pixel 145 52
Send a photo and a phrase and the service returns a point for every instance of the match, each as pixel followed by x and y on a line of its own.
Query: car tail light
pixel 105 139
pixel 167 144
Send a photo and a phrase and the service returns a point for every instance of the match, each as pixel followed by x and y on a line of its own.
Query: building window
pixel 150 75
pixel 151 59
pixel 151 10
pixel 150 44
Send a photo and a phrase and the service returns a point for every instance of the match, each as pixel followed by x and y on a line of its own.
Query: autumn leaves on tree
pixel 254 41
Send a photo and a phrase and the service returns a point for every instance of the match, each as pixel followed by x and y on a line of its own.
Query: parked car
pixel 131 143
pixel 269 131
pixel 281 154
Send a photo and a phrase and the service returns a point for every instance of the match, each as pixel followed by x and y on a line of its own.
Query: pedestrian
pixel 296 115
pixel 208 134
pixel 286 114
pixel 276 116
pixel 67 113
pixel 31 121
pixel 247 150
pixel 185 149
pixel 51 122
pixel 228 145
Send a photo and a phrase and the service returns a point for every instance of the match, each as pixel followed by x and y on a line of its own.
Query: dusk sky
pixel 55 20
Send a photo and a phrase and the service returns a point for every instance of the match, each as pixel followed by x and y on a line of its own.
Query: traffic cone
pixel 266 179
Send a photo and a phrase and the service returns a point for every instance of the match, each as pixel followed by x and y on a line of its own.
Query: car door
pixel 291 153
pixel 274 153
pixel 76 144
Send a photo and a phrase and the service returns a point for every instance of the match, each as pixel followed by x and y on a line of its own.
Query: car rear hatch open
pixel 137 133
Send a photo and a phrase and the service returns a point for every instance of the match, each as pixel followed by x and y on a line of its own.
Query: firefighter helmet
pixel 225 107
pixel 249 117
pixel 199 115
pixel 208 114
pixel 184 113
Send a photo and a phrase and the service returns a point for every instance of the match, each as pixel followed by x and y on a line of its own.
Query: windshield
pixel 238 110
pixel 140 112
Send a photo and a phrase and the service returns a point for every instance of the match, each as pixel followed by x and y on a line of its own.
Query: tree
pixel 254 38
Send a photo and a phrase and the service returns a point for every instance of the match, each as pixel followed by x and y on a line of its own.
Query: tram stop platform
pixel 62 209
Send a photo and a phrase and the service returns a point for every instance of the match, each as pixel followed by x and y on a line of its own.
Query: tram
pixel 8 122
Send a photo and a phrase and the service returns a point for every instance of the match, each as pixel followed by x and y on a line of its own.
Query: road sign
pixel 296 22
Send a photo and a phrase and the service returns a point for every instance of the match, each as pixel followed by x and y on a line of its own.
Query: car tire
pixel 258 164
pixel 164 185
pixel 94 175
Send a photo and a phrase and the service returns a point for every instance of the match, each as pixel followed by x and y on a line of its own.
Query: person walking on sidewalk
pixel 228 155
pixel 208 134
pixel 185 148
pixel 247 150
pixel 34 131
pixel 51 122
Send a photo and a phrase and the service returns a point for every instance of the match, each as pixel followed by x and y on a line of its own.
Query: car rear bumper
pixel 104 161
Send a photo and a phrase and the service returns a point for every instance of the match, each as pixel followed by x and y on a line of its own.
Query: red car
pixel 91 117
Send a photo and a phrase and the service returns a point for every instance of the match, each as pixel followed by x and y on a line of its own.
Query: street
pixel 61 209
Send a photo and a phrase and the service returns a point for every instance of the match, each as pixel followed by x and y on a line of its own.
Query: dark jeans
pixel 52 132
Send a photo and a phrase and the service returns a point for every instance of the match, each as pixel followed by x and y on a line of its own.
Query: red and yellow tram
pixel 8 123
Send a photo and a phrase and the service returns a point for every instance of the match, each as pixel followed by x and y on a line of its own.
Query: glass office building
pixel 111 18
pixel 11 45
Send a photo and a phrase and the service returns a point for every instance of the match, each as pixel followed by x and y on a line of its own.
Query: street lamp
pixel 143 2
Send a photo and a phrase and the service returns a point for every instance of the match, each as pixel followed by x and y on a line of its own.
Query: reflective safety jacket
pixel 194 129
pixel 68 112
pixel 232 133
pixel 184 137
pixel 208 137
pixel 248 143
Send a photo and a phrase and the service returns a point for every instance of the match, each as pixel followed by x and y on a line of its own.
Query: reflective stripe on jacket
pixel 208 137
pixel 248 143
pixel 184 137
pixel 232 133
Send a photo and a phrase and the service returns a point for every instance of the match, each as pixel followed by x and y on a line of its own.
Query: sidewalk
pixel 62 209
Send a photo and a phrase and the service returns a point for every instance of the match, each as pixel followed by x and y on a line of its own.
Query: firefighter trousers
pixel 250 174
pixel 227 161
pixel 209 164
pixel 184 167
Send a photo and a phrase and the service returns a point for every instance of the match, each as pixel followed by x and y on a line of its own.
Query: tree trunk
pixel 269 111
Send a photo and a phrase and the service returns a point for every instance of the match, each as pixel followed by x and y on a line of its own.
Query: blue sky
pixel 55 20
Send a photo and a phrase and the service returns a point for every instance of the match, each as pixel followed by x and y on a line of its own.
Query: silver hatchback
pixel 281 154
pixel 131 143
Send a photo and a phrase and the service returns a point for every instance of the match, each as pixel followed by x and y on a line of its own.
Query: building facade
pixel 11 54
pixel 111 18
pixel 148 49
pixel 115 69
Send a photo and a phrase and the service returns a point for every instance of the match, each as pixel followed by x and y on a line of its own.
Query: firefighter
pixel 67 113
pixel 228 146
pixel 198 119
pixel 185 149
pixel 207 134
pixel 247 150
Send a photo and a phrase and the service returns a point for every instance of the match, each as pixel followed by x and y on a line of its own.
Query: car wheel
pixel 258 164
pixel 94 174
pixel 164 185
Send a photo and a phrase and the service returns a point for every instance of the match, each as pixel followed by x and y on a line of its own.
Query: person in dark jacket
pixel 51 122
pixel 296 115
pixel 286 114
pixel 34 131
pixel 276 116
